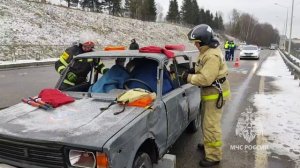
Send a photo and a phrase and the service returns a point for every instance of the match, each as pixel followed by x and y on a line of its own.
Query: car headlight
pixel 84 159
pixel 87 159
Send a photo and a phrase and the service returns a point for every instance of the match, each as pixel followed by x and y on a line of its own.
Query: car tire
pixel 195 124
pixel 142 160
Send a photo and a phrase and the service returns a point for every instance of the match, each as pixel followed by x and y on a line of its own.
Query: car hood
pixel 80 123
pixel 249 51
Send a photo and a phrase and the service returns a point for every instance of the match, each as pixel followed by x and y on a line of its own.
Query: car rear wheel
pixel 142 160
pixel 195 124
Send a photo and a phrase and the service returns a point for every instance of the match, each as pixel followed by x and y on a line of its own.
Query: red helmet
pixel 89 44
pixel 87 39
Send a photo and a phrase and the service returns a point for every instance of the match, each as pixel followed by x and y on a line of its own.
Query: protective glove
pixel 184 76
pixel 72 77
pixel 192 71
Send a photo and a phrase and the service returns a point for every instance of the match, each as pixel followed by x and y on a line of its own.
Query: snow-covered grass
pixel 30 23
pixel 278 111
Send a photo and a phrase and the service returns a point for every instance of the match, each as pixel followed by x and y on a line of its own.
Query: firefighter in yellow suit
pixel 210 75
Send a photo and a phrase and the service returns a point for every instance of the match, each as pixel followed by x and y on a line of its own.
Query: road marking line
pixel 261 157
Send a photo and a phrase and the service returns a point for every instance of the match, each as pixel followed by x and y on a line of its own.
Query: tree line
pixel 137 9
pixel 191 14
pixel 247 28
pixel 241 25
pixel 146 10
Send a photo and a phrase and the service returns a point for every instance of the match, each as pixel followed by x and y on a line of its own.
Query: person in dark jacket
pixel 78 72
pixel 134 45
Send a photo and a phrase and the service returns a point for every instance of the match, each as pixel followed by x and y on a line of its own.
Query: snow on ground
pixel 279 111
pixel 294 58
pixel 44 24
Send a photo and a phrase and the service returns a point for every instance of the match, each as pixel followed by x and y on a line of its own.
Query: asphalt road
pixel 24 82
pixel 16 84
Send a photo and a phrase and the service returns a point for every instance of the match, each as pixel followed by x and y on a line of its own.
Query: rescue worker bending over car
pixel 78 72
pixel 211 75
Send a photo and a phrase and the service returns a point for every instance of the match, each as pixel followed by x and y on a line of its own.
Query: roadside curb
pixel 28 64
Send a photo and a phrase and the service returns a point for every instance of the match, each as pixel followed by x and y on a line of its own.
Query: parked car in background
pixel 250 52
pixel 273 46
pixel 92 132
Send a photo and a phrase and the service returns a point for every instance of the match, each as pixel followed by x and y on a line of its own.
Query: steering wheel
pixel 139 81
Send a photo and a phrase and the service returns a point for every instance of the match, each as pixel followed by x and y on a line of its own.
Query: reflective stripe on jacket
pixel 226 45
pixel 210 66
pixel 81 67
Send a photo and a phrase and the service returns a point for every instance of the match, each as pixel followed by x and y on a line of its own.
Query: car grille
pixel 31 153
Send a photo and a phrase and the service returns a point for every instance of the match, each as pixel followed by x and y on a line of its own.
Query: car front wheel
pixel 142 160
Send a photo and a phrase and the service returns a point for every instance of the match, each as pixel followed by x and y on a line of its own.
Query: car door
pixel 176 103
pixel 177 113
pixel 193 98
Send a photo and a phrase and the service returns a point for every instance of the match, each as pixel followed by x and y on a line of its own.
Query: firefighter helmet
pixel 201 33
pixel 87 39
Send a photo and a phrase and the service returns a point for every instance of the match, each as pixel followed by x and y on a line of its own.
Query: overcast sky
pixel 263 10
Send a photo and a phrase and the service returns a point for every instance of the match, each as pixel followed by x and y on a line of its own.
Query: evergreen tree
pixel 202 16
pixel 142 9
pixel 151 14
pixel 196 16
pixel 187 12
pixel 127 6
pixel 114 7
pixel 173 13
pixel 69 2
pixel 133 8
pixel 220 23
pixel 93 5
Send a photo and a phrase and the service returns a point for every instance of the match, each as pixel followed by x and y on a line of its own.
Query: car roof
pixel 128 53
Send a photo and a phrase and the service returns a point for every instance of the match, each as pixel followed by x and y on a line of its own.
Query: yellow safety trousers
pixel 212 130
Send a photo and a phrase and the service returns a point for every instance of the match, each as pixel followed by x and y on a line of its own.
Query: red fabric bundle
pixel 179 47
pixel 55 97
pixel 155 49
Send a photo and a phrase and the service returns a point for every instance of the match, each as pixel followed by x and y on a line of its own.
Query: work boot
pixel 200 147
pixel 208 163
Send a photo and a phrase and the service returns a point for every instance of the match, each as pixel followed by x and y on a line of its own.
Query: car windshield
pixel 250 48
pixel 121 73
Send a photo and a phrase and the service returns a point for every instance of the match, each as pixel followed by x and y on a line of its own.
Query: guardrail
pixel 292 64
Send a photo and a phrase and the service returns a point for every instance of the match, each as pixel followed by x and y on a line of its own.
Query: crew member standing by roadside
pixel 231 50
pixel 80 69
pixel 134 45
pixel 210 75
pixel 226 47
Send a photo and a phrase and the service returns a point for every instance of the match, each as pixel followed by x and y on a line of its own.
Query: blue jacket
pixel 146 71
pixel 112 79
